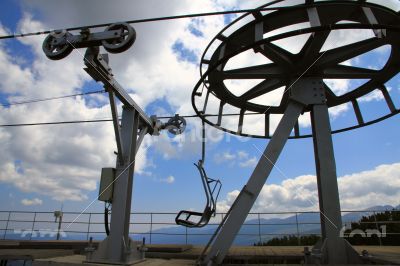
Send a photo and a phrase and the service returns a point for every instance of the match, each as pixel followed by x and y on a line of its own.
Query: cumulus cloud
pixel 31 202
pixel 169 179
pixel 62 162
pixel 378 186
pixel 251 162
pixel 241 158
pixel 224 157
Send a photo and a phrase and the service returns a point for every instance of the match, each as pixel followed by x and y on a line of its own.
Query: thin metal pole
pixel 88 228
pixel 186 235
pixel 151 225
pixel 377 228
pixel 59 226
pixel 298 233
pixel 259 227
pixel 33 225
pixel 8 220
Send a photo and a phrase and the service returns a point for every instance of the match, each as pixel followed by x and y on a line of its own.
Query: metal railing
pixel 159 227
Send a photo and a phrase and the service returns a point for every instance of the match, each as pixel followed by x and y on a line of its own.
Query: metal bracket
pixel 116 38
pixel 87 39
pixel 97 67
pixel 308 91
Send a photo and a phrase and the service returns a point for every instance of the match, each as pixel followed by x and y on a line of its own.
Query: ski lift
pixel 212 187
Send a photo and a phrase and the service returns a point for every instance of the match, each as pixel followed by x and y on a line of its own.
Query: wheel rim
pixel 310 62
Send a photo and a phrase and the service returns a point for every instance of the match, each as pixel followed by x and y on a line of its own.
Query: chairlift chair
pixel 212 187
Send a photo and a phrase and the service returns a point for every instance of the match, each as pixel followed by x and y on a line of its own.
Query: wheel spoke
pixel 341 54
pixel 349 72
pixel 313 46
pixel 255 72
pixel 262 88
pixel 276 54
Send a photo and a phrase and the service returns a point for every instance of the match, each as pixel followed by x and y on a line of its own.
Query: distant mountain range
pixel 304 223
pixel 308 223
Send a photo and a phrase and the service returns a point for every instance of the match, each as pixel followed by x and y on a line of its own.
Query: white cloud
pixel 224 157
pixel 379 186
pixel 240 158
pixel 169 180
pixel 375 95
pixel 31 202
pixel 251 162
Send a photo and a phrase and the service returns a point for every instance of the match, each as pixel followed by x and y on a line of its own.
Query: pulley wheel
pixel 55 51
pixel 176 125
pixel 119 45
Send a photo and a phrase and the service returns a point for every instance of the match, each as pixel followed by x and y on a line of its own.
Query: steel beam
pixel 117 131
pixel 118 248
pixel 331 221
pixel 333 248
pixel 97 67
pixel 252 189
pixel 119 230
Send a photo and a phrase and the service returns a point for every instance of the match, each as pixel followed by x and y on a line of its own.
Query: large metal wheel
pixel 284 68
pixel 53 50
pixel 119 45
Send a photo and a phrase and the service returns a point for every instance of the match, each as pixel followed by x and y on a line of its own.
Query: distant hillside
pixel 308 224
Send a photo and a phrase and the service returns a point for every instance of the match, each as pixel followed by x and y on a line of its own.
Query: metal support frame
pixel 302 95
pixel 332 248
pixel 248 195
pixel 118 247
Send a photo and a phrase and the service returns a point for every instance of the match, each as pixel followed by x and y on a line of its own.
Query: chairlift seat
pixel 212 188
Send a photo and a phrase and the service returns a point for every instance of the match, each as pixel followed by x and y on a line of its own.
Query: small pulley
pixel 55 46
pixel 124 42
pixel 176 125
pixel 116 38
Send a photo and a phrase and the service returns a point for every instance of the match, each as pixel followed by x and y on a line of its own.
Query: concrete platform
pixel 70 253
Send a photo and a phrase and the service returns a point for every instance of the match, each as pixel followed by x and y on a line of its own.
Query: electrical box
pixel 106 184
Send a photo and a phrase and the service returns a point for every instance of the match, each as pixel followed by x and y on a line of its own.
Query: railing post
pixel 186 235
pixel 259 228
pixel 88 228
pixel 377 228
pixel 8 220
pixel 33 226
pixel 151 226
pixel 59 227
pixel 298 233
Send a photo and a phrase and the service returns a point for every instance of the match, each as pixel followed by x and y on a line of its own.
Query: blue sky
pixel 161 77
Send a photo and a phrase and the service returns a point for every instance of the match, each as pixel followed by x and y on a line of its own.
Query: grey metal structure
pixel 118 247
pixel 302 76
pixel 116 38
